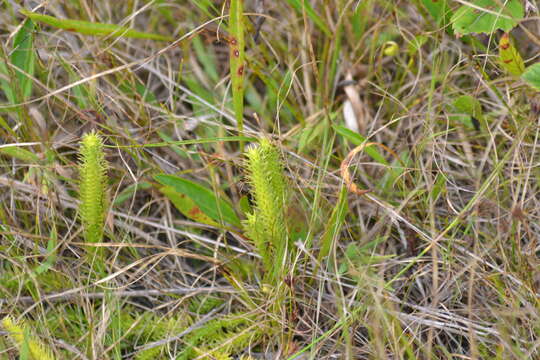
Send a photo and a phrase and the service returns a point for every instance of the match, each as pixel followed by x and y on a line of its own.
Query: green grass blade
pixel 334 224
pixel 19 153
pixel 91 28
pixel 24 57
pixel 358 139
pixel 190 142
pixel 304 6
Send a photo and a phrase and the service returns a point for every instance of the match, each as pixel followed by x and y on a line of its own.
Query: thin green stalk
pixel 92 28
pixel 237 62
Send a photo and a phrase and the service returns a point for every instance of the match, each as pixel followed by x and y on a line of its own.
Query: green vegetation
pixel 92 187
pixel 28 346
pixel 266 225
pixel 270 180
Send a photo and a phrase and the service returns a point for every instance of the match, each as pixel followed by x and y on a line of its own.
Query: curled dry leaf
pixel 344 168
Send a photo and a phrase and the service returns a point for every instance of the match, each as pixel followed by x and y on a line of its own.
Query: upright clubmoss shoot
pixel 92 187
pixel 25 341
pixel 266 224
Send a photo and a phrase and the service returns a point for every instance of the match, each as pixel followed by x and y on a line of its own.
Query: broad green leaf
pixel 187 206
pixel 216 208
pixel 487 16
pixel 509 57
pixel 532 76
pixel 91 28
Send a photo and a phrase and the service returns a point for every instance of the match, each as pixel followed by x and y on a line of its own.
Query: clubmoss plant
pixel 266 225
pixel 92 187
pixel 26 342
pixel 221 337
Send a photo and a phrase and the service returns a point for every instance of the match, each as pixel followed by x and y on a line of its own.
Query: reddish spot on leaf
pixel 241 70
pixel 236 53
pixel 507 61
pixel 195 212
pixel 505 41
pixel 233 41
pixel 71 29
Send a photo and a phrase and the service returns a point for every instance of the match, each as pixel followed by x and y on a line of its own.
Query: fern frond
pixel 21 337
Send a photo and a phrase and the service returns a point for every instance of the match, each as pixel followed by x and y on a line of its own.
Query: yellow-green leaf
pixel 215 207
pixel 187 206
pixel 509 57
